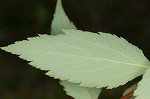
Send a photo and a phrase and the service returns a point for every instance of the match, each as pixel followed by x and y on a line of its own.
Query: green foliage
pixel 85 60
pixel 94 60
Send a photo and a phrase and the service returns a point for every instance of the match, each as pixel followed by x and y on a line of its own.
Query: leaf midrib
pixel 144 66
pixel 139 65
pixel 119 62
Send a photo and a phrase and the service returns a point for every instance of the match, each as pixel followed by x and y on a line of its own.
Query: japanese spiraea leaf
pixel 79 92
pixel 60 20
pixel 143 89
pixel 93 60
pixel 72 89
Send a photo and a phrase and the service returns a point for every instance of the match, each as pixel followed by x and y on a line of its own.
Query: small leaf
pixel 143 89
pixel 60 21
pixel 93 60
pixel 79 92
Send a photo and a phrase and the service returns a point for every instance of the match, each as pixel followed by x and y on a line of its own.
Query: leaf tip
pixel 4 48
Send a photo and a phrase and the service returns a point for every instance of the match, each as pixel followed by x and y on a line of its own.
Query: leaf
pixel 93 60
pixel 79 92
pixel 72 89
pixel 143 89
pixel 60 21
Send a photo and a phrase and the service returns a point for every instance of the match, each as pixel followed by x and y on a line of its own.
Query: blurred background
pixel 20 19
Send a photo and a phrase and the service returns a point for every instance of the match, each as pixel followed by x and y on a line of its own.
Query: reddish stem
pixel 127 96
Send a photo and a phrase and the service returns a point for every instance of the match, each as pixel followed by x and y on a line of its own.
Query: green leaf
pixel 143 89
pixel 60 20
pixel 79 92
pixel 93 60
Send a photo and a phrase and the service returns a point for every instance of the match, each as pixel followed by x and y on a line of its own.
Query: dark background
pixel 20 19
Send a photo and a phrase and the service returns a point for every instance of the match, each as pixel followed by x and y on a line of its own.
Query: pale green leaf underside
pixel 93 60
pixel 79 92
pixel 143 89
pixel 60 21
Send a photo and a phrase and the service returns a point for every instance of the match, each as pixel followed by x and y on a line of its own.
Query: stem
pixel 127 96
